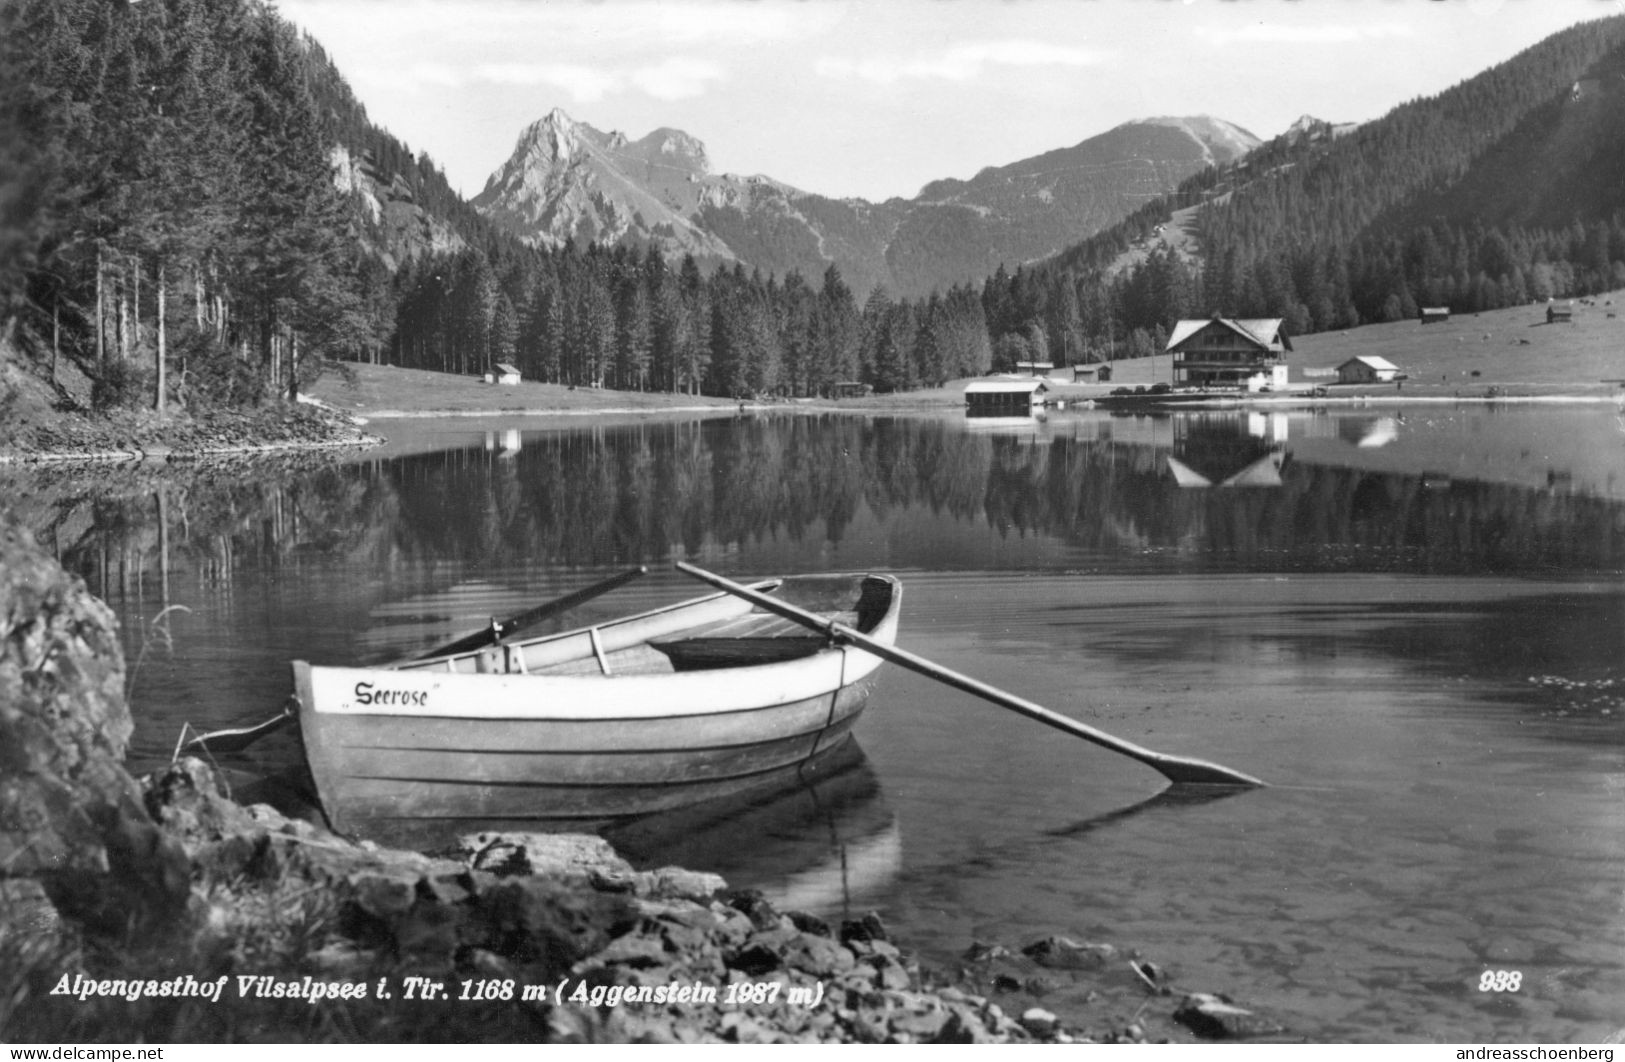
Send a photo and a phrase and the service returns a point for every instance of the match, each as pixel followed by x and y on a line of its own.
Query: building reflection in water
pixel 1229 449
pixel 505 443
pixel 1368 433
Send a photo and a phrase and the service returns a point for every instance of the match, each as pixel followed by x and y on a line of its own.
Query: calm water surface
pixel 1411 622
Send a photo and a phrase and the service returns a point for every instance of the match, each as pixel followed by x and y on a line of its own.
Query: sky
pixel 874 98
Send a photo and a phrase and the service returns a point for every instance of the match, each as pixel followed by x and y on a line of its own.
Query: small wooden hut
pixel 1005 396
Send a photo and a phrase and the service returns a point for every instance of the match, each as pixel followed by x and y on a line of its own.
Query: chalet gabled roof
pixel 1265 331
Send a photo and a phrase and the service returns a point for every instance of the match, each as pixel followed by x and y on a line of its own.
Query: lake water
pixel 1410 621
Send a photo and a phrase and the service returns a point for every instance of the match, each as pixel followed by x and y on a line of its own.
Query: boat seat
pixel 634 660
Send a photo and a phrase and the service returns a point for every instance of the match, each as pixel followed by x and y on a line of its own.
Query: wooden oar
pixel 236 739
pixel 1177 769
pixel 500 629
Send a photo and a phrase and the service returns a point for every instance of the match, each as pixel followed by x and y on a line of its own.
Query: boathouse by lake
pixel 1004 396
pixel 1241 353
pixel 1367 368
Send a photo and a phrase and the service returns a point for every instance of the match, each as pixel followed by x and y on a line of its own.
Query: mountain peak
pixel 552 124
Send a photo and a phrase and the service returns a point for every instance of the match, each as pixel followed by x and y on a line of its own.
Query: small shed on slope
pixel 1367 368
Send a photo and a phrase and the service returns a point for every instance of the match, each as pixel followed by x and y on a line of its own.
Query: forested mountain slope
pixel 179 236
pixel 1503 188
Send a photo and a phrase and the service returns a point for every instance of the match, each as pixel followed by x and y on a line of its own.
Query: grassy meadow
pixel 1513 351
pixel 385 391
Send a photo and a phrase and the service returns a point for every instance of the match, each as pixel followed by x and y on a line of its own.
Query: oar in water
pixel 1177 769
pixel 236 739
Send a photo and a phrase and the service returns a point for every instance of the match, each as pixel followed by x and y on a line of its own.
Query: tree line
pixel 625 318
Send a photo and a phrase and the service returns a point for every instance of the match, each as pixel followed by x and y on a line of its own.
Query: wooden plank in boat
pixel 707 654
pixel 744 641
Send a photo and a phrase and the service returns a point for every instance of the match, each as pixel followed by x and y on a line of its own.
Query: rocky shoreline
pixel 126 437
pixel 540 937
pixel 164 911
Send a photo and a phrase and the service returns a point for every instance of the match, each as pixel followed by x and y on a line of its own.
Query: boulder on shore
pixel 71 818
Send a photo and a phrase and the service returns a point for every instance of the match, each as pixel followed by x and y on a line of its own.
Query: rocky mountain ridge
pixel 566 180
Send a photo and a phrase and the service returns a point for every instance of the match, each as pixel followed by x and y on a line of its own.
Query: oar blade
pixel 1181 771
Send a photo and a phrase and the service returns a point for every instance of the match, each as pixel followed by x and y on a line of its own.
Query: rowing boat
pixel 653 711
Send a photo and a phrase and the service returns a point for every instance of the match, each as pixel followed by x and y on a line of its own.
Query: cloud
pixel 964 62
pixel 665 49
pixel 682 25
pixel 671 78
pixel 583 83
pixel 677 78
pixel 438 75
pixel 1281 33
pixel 674 78
pixel 616 26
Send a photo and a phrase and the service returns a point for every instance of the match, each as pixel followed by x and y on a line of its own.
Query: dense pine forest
pixel 176 219
pixel 174 225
